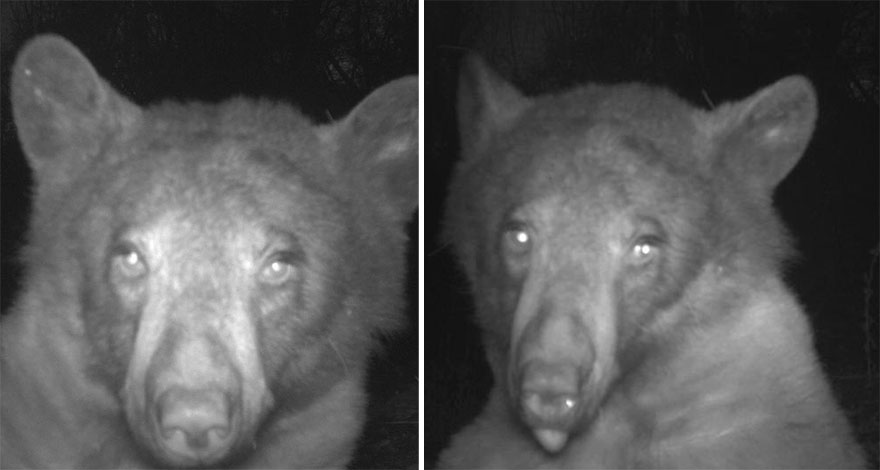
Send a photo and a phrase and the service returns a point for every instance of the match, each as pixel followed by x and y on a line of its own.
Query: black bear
pixel 203 283
pixel 625 259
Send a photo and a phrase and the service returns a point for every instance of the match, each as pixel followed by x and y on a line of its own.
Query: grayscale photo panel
pixel 650 235
pixel 209 241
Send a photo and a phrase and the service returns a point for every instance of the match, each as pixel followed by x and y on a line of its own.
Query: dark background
pixel 324 56
pixel 708 53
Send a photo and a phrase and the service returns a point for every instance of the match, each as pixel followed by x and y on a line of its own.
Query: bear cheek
pixel 280 313
pixel 646 291
pixel 110 316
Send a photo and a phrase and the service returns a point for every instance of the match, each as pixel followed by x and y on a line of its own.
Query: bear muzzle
pixel 198 406
pixel 553 361
pixel 195 425
pixel 550 400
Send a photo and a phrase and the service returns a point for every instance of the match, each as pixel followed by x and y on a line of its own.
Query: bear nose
pixel 194 423
pixel 549 406
pixel 550 394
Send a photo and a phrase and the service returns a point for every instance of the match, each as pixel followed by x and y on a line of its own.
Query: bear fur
pixel 203 283
pixel 625 259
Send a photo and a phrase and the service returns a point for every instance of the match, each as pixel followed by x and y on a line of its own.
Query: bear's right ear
pixel 761 138
pixel 380 146
pixel 62 109
pixel 486 104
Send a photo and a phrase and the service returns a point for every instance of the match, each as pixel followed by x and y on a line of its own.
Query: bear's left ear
pixel 63 110
pixel 760 139
pixel 380 141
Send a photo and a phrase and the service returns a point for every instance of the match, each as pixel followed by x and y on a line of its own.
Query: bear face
pixel 610 234
pixel 219 272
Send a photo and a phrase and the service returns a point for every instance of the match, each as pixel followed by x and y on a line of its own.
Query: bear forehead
pixel 643 105
pixel 239 142
pixel 588 160
pixel 647 120
pixel 595 132
pixel 207 161
pixel 213 176
pixel 241 117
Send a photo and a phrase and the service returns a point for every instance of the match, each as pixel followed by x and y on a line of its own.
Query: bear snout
pixel 195 398
pixel 195 425
pixel 553 362
pixel 550 400
pixel 550 393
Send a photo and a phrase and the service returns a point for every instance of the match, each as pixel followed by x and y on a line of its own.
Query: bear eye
pixel 516 239
pixel 645 249
pixel 277 271
pixel 128 262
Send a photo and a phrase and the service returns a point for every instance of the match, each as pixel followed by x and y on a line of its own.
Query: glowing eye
pixel 517 239
pixel 277 271
pixel 642 249
pixel 129 263
pixel 645 249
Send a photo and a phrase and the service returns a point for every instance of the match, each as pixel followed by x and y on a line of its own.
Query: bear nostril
pixel 195 439
pixel 194 422
pixel 549 406
pixel 550 394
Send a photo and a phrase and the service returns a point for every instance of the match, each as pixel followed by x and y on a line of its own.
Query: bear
pixel 625 261
pixel 203 284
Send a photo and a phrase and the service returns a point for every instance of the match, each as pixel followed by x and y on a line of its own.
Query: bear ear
pixel 763 137
pixel 486 104
pixel 62 109
pixel 380 141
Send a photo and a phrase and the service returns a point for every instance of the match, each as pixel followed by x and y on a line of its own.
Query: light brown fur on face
pixel 204 284
pixel 625 259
